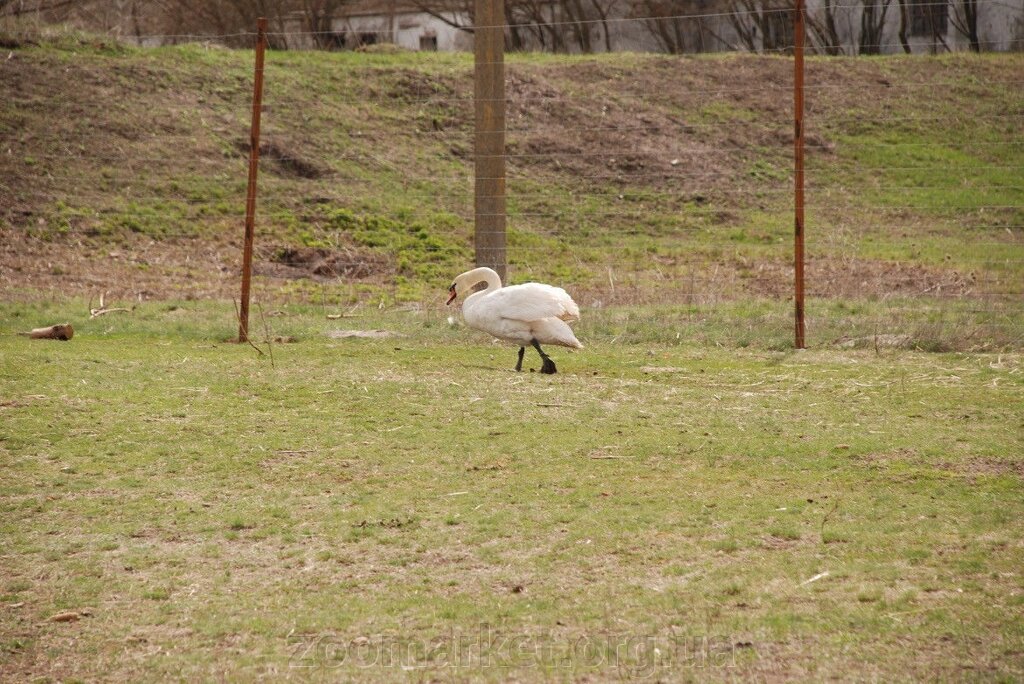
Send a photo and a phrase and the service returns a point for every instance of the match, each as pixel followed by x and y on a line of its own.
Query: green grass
pixel 687 499
pixel 244 518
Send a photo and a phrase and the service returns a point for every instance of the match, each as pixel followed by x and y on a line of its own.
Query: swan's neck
pixel 483 275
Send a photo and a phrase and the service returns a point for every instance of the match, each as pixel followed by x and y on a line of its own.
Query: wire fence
pixel 642 184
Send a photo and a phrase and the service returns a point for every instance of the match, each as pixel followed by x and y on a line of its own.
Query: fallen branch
pixel 94 313
pixel 63 331
pixel 102 309
pixel 348 314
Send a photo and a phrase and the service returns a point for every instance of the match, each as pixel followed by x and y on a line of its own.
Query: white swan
pixel 528 314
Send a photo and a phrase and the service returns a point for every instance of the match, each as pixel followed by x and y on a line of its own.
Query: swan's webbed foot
pixel 519 363
pixel 548 366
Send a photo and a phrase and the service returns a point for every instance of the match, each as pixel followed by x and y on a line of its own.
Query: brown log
pixel 70 616
pixel 63 331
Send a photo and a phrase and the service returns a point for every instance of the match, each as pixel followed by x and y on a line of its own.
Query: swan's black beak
pixel 452 294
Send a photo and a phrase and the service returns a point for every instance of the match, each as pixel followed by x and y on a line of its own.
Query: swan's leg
pixel 548 366
pixel 519 363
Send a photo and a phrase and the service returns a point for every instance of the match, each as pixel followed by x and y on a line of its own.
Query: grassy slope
pixel 210 511
pixel 370 155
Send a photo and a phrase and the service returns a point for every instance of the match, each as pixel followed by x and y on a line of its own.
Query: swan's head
pixel 465 282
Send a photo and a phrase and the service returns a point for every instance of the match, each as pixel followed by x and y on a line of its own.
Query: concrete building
pixel 374 22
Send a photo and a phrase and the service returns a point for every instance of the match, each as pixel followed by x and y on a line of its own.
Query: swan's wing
pixel 554 331
pixel 532 302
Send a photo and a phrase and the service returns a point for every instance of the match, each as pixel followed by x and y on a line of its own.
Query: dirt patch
pixel 598 138
pixel 136 268
pixel 777 543
pixel 969 466
pixel 285 160
pixel 851 278
pixel 322 264
pixel 825 277
pixel 440 102
pixel 360 334
pixel 418 87
pixel 695 126
pixel 12 43
pixel 990 467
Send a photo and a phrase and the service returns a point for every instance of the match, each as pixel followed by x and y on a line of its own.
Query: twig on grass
pixel 820 575
pixel 824 519
pixel 238 317
pixel 266 331
pixel 348 314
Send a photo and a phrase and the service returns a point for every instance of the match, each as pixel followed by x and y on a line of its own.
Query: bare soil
pixel 323 264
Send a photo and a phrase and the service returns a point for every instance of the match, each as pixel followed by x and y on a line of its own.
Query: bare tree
pixel 931 17
pixel 872 25
pixel 965 21
pixel 318 17
pixel 456 13
pixel 904 26
pixel 603 9
pixel 680 26
pixel 577 23
pixel 823 31
pixel 561 26
pixel 19 8
pixel 763 25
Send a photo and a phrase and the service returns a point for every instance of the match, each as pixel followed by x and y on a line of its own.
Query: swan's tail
pixel 555 331
pixel 570 312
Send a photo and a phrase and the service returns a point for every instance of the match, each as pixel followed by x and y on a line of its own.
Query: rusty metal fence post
pixel 798 175
pixel 489 140
pixel 250 196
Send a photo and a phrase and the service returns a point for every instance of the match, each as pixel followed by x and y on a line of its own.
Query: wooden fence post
pixel 798 176
pixel 250 196
pixel 489 152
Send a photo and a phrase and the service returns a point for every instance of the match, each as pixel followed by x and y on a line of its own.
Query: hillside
pixel 637 178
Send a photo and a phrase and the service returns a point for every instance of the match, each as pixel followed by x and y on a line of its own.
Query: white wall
pixel 406 29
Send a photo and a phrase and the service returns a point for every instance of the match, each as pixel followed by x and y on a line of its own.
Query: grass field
pixel 688 499
pixel 378 509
